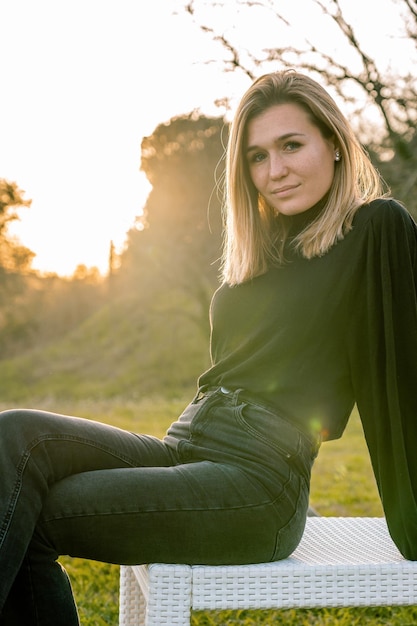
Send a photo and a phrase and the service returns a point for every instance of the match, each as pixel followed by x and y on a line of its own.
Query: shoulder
pixel 384 213
pixel 385 228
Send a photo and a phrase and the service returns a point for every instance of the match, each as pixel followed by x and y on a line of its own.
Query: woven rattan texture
pixel 339 562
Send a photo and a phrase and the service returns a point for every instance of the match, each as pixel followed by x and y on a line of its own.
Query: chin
pixel 288 211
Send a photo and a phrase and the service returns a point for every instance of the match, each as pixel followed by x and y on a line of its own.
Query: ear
pixel 335 147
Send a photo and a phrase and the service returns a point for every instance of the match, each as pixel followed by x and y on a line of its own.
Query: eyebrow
pixel 280 138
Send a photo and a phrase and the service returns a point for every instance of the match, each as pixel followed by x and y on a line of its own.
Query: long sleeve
pixel 314 336
pixel 382 344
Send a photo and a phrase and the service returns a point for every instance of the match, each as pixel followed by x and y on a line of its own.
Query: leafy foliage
pixel 35 308
pixel 173 253
pixel 147 324
pixel 15 259
pixel 39 309
pixel 11 199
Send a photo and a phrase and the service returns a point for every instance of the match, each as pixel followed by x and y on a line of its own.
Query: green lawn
pixel 342 484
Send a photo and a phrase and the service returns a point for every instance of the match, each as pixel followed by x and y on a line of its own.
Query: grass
pixel 342 484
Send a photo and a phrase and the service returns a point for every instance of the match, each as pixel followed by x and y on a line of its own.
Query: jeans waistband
pixel 313 440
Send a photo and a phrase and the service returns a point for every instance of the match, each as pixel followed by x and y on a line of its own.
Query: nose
pixel 277 166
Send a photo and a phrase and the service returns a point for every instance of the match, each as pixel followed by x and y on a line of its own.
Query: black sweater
pixel 313 337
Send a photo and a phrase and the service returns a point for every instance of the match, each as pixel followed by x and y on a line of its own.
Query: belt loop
pixel 235 396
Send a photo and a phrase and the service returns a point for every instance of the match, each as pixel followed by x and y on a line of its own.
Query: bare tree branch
pixel 370 79
pixel 234 62
pixel 412 7
pixel 396 100
pixel 410 18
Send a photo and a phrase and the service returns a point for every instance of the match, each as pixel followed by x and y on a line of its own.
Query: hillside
pixel 121 350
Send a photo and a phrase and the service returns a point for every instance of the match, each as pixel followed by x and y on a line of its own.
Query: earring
pixel 337 156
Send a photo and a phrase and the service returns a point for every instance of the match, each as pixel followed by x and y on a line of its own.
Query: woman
pixel 317 311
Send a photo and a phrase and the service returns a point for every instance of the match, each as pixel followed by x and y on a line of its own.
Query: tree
pixel 381 100
pixel 13 256
pixel 15 259
pixel 11 197
pixel 172 256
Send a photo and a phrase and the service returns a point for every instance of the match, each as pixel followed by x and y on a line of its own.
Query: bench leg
pixel 132 603
pixel 169 601
pixel 158 595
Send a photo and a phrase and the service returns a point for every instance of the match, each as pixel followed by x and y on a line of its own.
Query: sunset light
pixel 83 83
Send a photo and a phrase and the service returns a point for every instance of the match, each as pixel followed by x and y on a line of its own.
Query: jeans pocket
pixel 269 428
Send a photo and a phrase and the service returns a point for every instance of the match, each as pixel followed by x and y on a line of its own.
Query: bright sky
pixel 83 81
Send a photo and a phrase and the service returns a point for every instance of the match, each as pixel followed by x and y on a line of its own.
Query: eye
pixel 291 146
pixel 256 157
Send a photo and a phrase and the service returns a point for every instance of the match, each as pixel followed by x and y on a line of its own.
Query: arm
pixel 383 356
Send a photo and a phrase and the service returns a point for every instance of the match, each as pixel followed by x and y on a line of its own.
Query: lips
pixel 283 190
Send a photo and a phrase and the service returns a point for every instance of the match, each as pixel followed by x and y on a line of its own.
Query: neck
pixel 292 225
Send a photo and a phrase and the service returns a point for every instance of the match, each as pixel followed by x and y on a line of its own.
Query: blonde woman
pixel 316 311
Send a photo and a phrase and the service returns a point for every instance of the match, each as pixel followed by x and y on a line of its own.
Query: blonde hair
pixel 252 229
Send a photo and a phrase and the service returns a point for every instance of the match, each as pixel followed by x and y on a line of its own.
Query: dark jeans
pixel 228 484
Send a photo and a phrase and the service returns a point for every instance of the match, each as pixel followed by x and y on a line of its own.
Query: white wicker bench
pixel 339 562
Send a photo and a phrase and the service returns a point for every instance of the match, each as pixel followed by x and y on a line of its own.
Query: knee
pixel 13 415
pixel 16 421
pixel 10 416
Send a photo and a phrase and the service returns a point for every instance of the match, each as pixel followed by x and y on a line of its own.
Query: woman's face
pixel 291 164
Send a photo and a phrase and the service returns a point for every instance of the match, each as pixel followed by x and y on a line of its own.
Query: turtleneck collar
pixel 294 224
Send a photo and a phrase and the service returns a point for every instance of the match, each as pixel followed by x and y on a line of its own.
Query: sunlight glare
pixel 86 81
